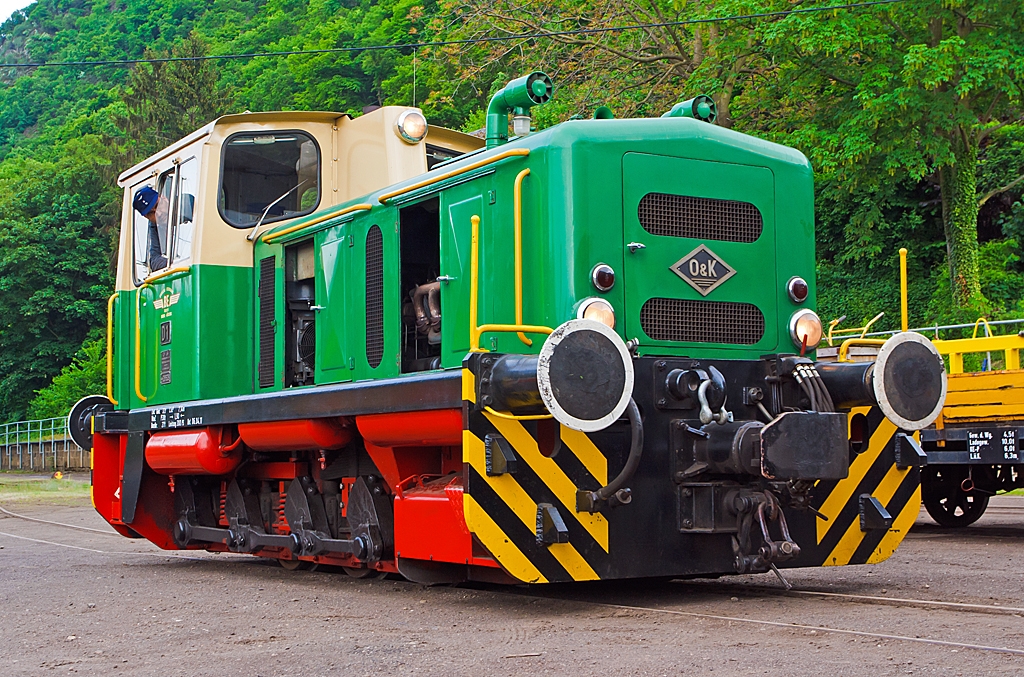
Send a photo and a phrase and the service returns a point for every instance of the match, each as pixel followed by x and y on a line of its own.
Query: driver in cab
pixel 155 208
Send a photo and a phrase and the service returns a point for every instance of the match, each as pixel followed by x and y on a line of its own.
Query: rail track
pixel 718 591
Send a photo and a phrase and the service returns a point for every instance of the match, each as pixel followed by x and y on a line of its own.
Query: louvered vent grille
pixel 268 295
pixel 374 297
pixel 702 321
pixel 699 218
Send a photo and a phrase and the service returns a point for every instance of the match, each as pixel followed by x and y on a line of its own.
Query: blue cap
pixel 145 200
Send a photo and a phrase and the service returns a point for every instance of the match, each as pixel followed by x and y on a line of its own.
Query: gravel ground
pixel 83 602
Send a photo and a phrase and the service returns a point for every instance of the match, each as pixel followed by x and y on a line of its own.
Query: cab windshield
pixel 268 177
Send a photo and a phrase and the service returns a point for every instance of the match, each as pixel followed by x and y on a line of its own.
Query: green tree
pixel 168 100
pixel 86 375
pixel 54 268
pixel 912 90
pixel 637 72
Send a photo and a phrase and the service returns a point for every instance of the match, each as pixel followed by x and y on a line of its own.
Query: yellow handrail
pixel 518 210
pixel 110 348
pixel 867 326
pixel 531 328
pixel 474 264
pixel 476 330
pixel 1010 345
pixel 903 289
pixel 988 329
pixel 832 325
pixel 513 152
pixel 270 237
pixel 156 276
pixel 844 348
pixel 138 343
pixel 855 330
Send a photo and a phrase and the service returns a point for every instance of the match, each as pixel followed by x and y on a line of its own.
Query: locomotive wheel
pixel 360 572
pixel 297 565
pixel 946 501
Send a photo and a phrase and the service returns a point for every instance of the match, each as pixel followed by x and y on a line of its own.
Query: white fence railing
pixel 40 445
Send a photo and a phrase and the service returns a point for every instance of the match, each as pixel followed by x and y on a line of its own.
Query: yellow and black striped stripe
pixel 840 540
pixel 501 511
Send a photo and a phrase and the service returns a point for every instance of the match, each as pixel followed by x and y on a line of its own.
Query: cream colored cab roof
pixel 357 156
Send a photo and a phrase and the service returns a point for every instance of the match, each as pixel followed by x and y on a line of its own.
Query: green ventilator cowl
pixel 522 93
pixel 700 107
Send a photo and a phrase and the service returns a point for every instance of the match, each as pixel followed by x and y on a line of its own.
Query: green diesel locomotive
pixel 581 353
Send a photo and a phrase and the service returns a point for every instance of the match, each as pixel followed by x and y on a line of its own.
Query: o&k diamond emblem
pixel 703 270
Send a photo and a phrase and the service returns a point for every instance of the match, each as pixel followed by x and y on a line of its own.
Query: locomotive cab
pixel 218 190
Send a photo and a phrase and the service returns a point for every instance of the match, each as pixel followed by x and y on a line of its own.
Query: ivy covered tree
pixel 912 90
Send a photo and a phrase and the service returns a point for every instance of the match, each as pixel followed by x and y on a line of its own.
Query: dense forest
pixel 911 113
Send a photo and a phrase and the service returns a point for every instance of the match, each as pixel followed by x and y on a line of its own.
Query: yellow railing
pixel 110 348
pixel 1009 345
pixel 979 321
pixel 514 152
pixel 861 331
pixel 904 321
pixel 267 239
pixel 476 330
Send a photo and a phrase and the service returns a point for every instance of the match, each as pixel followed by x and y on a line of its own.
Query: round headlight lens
pixel 598 310
pixel 797 289
pixel 602 277
pixel 805 328
pixel 411 126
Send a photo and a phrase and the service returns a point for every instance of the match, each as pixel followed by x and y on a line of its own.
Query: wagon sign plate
pixel 703 270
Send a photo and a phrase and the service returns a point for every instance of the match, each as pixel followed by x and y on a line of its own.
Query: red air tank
pixel 298 435
pixel 198 451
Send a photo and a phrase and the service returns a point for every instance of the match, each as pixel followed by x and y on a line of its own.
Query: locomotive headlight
pixel 805 328
pixel 411 126
pixel 598 310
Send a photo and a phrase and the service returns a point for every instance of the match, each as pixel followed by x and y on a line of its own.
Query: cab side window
pixel 151 233
pixel 163 238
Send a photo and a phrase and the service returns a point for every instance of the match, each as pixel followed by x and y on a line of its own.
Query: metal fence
pixel 40 445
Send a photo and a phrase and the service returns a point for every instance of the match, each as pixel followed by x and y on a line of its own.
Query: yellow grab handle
pixel 904 322
pixel 110 348
pixel 844 348
pixel 138 343
pixel 518 211
pixel 476 330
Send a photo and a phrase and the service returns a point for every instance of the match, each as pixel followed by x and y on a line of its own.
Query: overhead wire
pixel 462 41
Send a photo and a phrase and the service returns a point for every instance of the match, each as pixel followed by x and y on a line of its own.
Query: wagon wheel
pixel 297 564
pixel 945 500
